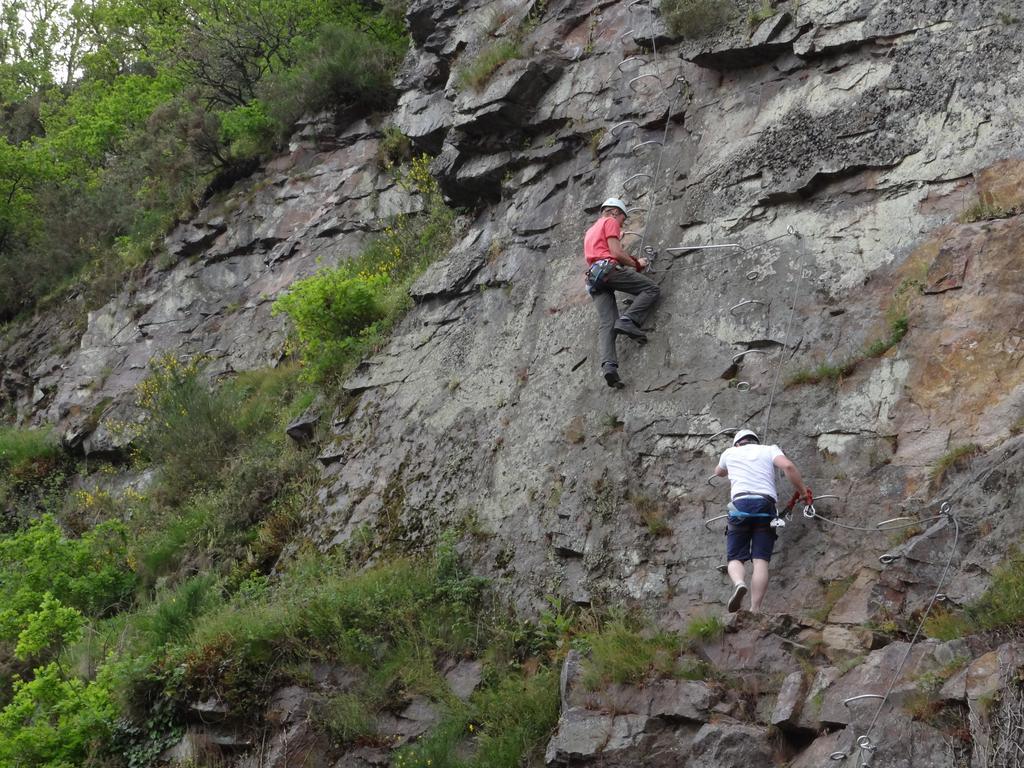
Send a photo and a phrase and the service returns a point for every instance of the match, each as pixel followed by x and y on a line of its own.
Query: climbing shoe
pixel 612 379
pixel 627 327
pixel 737 597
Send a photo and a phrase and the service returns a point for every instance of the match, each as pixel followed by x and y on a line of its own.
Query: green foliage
pixel 395 147
pixel 345 717
pixel 341 312
pixel 704 629
pixel 195 430
pixel 982 210
pixel 833 593
pixel 822 372
pixel 955 458
pixel 898 327
pixel 52 625
pixel 392 619
pixel 475 73
pixel 1002 605
pixel 248 130
pixel 621 653
pixel 760 13
pixel 191 429
pixel 174 613
pixel 947 625
pixel 52 722
pixel 42 570
pixel 505 725
pixel 339 66
pixel 22 449
pixel 159 98
pixel 697 18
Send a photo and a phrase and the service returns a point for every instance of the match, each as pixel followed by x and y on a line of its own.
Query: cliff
pixel 860 166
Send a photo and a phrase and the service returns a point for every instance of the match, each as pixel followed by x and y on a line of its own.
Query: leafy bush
pixel 167 97
pixel 191 428
pixel 52 722
pixel 341 66
pixel 697 18
pixel 340 313
pixel 40 565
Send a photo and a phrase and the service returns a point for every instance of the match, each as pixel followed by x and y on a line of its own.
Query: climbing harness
pixel 597 273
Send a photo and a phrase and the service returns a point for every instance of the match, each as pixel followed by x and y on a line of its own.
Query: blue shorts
pixel 751 537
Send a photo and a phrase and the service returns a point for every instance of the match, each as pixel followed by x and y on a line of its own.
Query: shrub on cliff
pixel 697 18
pixel 340 313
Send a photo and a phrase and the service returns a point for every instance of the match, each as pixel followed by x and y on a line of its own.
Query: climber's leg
pixel 758 584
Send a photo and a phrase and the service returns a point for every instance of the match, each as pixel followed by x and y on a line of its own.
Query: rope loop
pixel 809 512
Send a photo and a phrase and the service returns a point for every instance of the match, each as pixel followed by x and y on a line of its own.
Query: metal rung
pixel 707 523
pixel 627 33
pixel 614 130
pixel 631 6
pixel 684 248
pixel 739 355
pixel 847 702
pixel 745 302
pixel 648 143
pixel 631 232
pixel 638 78
pixel 639 59
pixel 888 559
pixel 743 386
pixel 631 211
pixel 881 525
pixel 636 176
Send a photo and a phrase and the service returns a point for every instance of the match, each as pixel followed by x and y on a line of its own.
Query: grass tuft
pixel 475 74
pixel 704 629
pixel 620 653
pixel 694 19
pixel 985 211
pixel 955 458
pixel 898 328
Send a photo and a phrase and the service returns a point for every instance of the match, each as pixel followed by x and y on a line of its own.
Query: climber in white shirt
pixel 750 468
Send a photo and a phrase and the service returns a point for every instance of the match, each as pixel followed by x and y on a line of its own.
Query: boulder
pixel 730 744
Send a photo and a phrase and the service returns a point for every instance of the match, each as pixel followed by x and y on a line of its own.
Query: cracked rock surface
pixel 836 147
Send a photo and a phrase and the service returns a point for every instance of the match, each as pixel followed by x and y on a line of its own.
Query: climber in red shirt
pixel 611 269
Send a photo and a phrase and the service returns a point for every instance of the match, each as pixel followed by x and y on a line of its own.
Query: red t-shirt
pixel 595 242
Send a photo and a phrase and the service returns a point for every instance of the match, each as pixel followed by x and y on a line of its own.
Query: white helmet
pixel 745 433
pixel 614 202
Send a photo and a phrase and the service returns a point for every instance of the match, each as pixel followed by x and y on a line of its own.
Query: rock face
pixel 835 151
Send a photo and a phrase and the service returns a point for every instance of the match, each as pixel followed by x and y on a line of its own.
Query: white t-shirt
pixel 751 469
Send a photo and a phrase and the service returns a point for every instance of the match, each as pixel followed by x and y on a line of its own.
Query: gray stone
pixel 720 744
pixel 789 703
pixel 302 429
pixel 464 678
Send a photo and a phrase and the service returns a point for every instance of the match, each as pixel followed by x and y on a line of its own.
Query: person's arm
pixel 793 475
pixel 721 472
pixel 620 255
